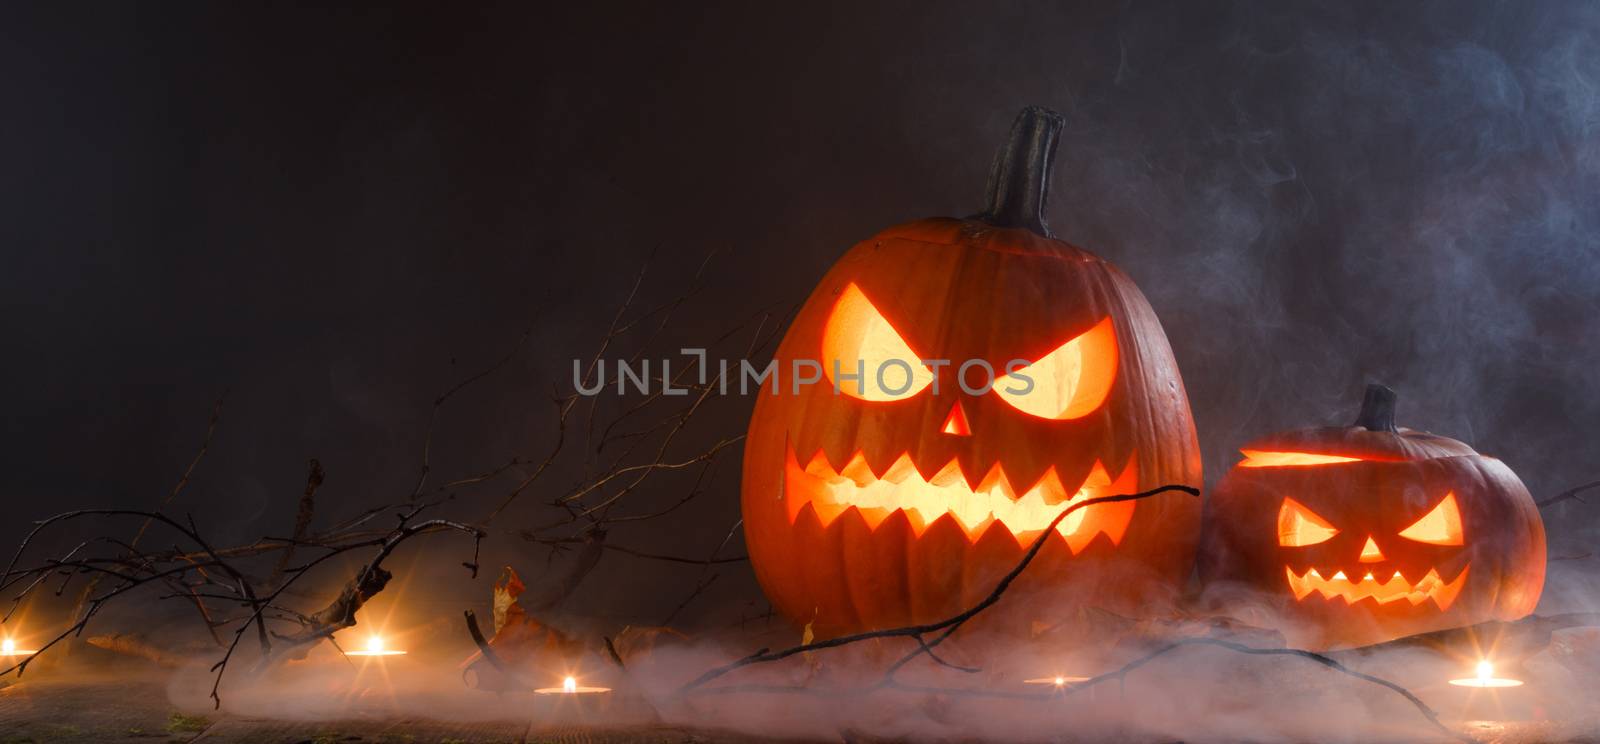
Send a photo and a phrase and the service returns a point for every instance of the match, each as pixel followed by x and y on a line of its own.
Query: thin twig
pixel 706 577
pixel 1120 674
pixel 177 488
pixel 302 519
pixel 677 558
pixel 1054 697
pixel 1573 493
pixel 438 403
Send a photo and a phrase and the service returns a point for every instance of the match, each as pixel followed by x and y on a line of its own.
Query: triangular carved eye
pixel 860 341
pixel 1440 526
pixel 1299 526
pixel 1070 382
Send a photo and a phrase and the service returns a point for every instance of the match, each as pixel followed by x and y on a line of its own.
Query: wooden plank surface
pixel 257 731
pixel 49 711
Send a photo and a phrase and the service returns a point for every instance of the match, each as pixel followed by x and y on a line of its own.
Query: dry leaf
pixel 506 590
pixel 635 645
pixel 521 640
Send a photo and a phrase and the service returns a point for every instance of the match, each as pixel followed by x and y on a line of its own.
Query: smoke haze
pixel 334 215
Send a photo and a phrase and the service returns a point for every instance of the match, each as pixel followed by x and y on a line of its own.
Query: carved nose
pixel 956 423
pixel 1370 552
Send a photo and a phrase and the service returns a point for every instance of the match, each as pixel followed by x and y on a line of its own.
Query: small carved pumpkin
pixel 888 493
pixel 1367 533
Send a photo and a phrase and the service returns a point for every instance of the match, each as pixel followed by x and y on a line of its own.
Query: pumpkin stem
pixel 1019 181
pixel 1377 409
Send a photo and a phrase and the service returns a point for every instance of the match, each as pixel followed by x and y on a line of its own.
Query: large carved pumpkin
pixel 1365 533
pixel 903 496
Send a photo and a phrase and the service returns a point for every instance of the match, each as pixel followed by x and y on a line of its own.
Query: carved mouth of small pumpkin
pixel 1372 589
pixel 948 494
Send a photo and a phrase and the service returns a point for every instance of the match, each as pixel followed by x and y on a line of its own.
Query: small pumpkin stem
pixel 1019 181
pixel 1377 409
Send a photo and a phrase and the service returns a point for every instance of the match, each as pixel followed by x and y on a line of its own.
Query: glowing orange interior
pixel 859 345
pixel 1440 526
pixel 1069 382
pixel 1260 459
pixel 925 500
pixel 1299 526
pixel 859 340
pixel 956 423
pixel 1368 587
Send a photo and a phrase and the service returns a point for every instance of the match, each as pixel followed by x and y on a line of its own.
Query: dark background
pixel 335 213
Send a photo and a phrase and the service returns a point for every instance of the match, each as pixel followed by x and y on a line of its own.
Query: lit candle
pixel 8 647
pixel 1485 678
pixel 570 686
pixel 1058 681
pixel 375 647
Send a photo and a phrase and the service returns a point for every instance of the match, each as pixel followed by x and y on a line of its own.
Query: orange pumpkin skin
pixel 1485 549
pixel 823 470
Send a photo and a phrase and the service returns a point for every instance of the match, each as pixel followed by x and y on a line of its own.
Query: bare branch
pixel 302 519
pixel 1119 674
pixel 438 403
pixel 177 488
pixel 1575 493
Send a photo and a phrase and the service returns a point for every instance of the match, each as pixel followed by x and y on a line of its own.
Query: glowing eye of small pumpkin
pixel 1440 526
pixel 1070 382
pixel 1299 526
pixel 859 339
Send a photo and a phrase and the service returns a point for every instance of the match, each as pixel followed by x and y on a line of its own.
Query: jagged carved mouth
pixel 1368 587
pixel 948 494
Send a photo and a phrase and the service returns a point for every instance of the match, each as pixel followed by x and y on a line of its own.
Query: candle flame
pixel 569 684
pixel 8 647
pixel 1060 681
pixel 375 644
pixel 1485 670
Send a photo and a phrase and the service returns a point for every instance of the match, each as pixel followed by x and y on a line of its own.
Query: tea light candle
pixel 1485 678
pixel 375 647
pixel 1058 681
pixel 8 647
pixel 570 686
